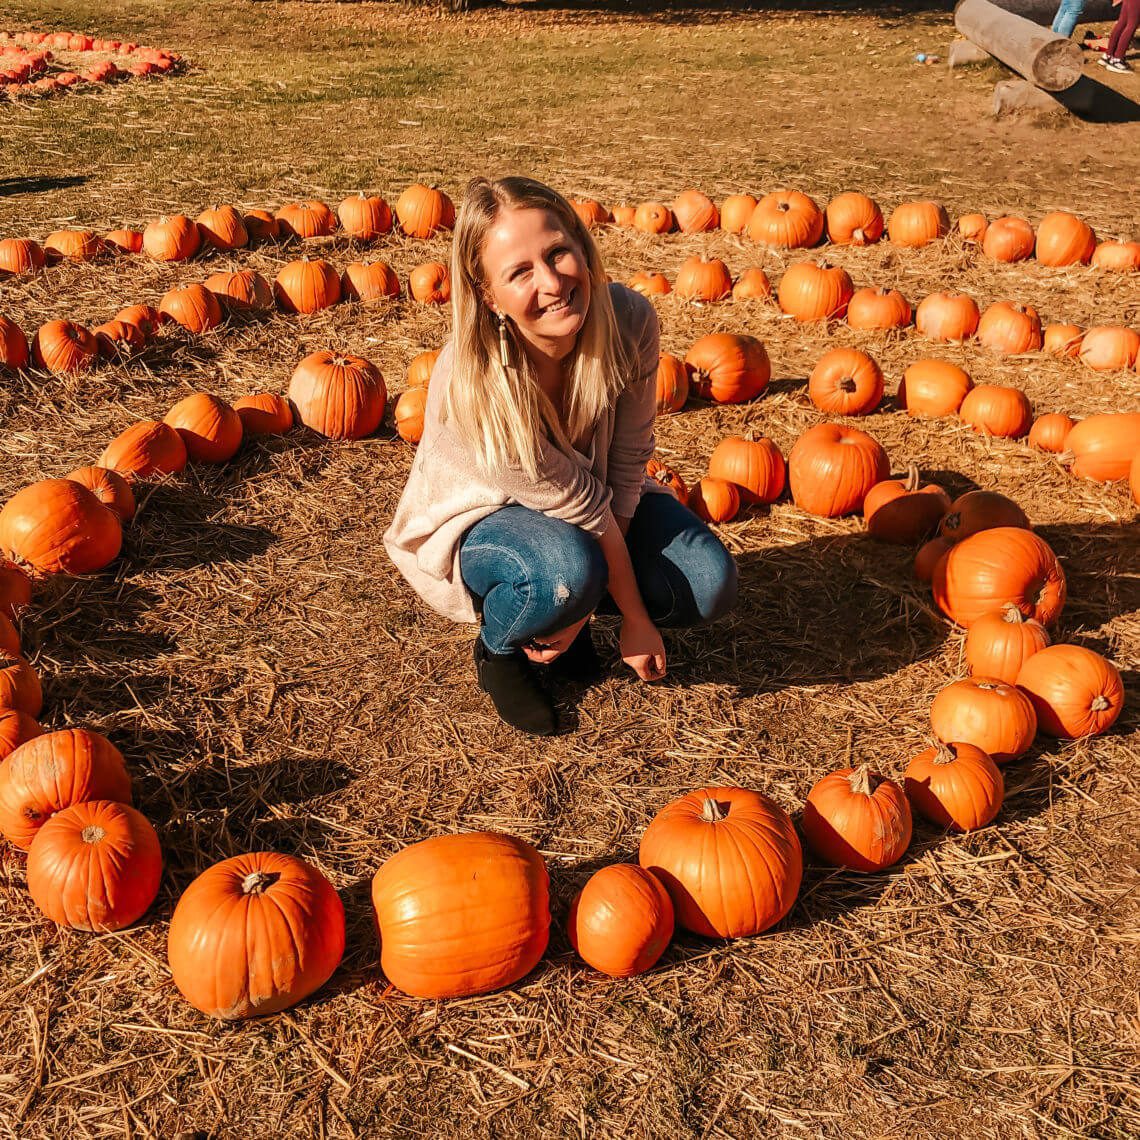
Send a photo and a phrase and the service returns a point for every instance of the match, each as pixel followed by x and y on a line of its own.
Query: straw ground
pixel 274 684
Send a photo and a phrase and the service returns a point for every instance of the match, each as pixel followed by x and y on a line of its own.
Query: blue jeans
pixel 533 575
pixel 1068 14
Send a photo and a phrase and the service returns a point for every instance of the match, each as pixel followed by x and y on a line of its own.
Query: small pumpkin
pixel 62 346
pixel 715 500
pixel 915 224
pixel 339 395
pixel 254 935
pixel 653 218
pixel 972 228
pixel 369 281
pixel 1064 239
pixel 730 368
pixel 928 557
pixel 309 219
pixel 1114 256
pixel 21 257
pixel 16 728
pixel 424 210
pixel 857 819
pixel 932 388
pixel 1075 691
pixel 261 226
pixel 15 590
pixel 1109 348
pixel 430 283
pixel 124 241
pixel 878 309
pixel 752 285
pixel 245 291
pixel 846 382
pixel 174 238
pixel 146 448
pixel 621 921
pixel 1062 340
pixel 1050 431
pixel 946 316
pixel 591 212
pixel 695 212
pixel 420 369
pixel 955 786
pixel 408 414
pixel 56 525
pixel 194 307
pixel 365 218
pixel 209 427
pixel 118 340
pixel 831 468
pixel 1010 328
pixel 1102 446
pixel 222 227
pixel 700 280
pixel 981 510
pixel 811 292
pixel 853 219
pixel 264 413
pixel 754 466
pixel 460 915
pixel 904 511
pixel 990 714
pixel 72 245
pixel 664 475
pixel 1001 641
pixel 729 858
pixel 146 318
pixel 672 384
pixel 1009 239
pixel 20 687
pixel 306 286
pixel 624 215
pixel 14 352
pixel 95 866
pixel 735 211
pixel 109 487
pixel 650 284
pixel 787 219
pixel 1000 411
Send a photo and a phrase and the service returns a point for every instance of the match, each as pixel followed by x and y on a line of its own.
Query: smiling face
pixel 537 276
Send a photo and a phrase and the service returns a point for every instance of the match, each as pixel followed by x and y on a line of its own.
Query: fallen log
pixel 1050 61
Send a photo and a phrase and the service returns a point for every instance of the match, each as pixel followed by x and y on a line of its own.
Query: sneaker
pixel 580 661
pixel 1117 65
pixel 1103 60
pixel 510 681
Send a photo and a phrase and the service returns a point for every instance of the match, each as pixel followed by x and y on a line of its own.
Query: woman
pixel 527 499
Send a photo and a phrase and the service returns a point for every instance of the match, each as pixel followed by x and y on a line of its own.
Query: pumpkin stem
pixel 1012 614
pixel 93 833
pixel 711 811
pixel 847 384
pixel 258 882
pixel 944 754
pixel 989 685
pixel 864 781
pixel 1100 703
pixel 911 481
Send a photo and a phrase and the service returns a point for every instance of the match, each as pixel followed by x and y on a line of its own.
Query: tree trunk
pixel 1050 61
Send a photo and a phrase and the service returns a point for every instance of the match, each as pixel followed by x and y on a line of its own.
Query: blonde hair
pixel 502 413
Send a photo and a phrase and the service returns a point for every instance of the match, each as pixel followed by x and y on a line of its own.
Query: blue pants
pixel 1067 17
pixel 533 575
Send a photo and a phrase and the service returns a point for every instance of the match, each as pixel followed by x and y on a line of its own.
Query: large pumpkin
pixel 1109 348
pixel 811 292
pixel 755 466
pixel 903 511
pixel 194 307
pixel 1114 256
pixel 365 218
pixel 1001 641
pixel 728 857
pixel 786 218
pixel 21 256
pixel 306 286
pixel 430 283
pixel 701 280
pixel 51 772
pixel 1102 447
pixel 1000 411
pixel 846 382
pixel 57 525
pixel 878 309
pixel 955 785
pixel 245 291
pixel 147 448
pixel 914 224
pixel 994 568
pixel 14 352
pixel 735 211
pixel 95 866
pixel 856 818
pixel 369 281
pixel 209 427
pixel 72 245
pixel 1064 239
pixel 62 346
pixel 255 934
pixel 947 316
pixel 990 714
pixel 1075 691
pixel 695 212
pixel 223 227
pixel 729 368
pixel 832 467
pixel 424 210
pixel 981 510
pixel 306 219
pixel 341 396
pixel 853 219
pixel 461 914
pixel 175 238
pixel 1010 328
pixel 264 413
pixel 621 921
pixel 932 388
pixel 1009 238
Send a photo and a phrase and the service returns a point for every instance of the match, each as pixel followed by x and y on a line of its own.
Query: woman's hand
pixel 549 648
pixel 642 648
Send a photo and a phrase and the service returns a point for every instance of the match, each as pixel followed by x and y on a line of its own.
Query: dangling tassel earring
pixel 504 346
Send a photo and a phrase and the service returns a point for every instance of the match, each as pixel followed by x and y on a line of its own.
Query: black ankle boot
pixel 580 661
pixel 510 681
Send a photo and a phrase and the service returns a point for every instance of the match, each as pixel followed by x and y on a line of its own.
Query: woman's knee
pixel 577 573
pixel 715 583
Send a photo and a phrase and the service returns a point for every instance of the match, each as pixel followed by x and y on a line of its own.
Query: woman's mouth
pixel 557 307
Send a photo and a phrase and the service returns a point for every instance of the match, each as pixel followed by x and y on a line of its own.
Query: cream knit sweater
pixel 446 494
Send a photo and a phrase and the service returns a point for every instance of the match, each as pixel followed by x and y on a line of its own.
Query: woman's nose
pixel 547 279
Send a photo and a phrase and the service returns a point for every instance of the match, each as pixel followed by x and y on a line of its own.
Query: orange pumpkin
pixel 1009 238
pixel 118 340
pixel 947 317
pixel 591 212
pixel 857 819
pixel 914 224
pixel 306 286
pixel 420 369
pixel 1063 340
pixel 20 687
pixel 650 284
pixel 846 382
pixel 735 211
pixel 752 285
pixel 878 309
pixel 653 218
pixel 811 292
pixel 786 218
pixel 621 921
pixel 955 786
pixel 695 212
pixel 932 388
pixel 624 215
pixel 754 466
pixel 1050 431
pixel 715 500
pixel 15 590
pixel 928 557
pixel 1109 348
pixel 306 220
pixel 1063 239
pixel 261 226
pixel 146 318
pixel 1102 447
pixel 1134 478
pixel 424 210
pixel 124 241
pixel 904 512
pixel 95 866
pixel 728 857
pixel 460 915
pixel 16 728
pixel 341 396
pixel 701 280
pixel 194 307
pixel 254 935
pixel 853 219
pixel 1001 641
pixel 223 227
pixel 832 467
pixel 174 238
pixel 430 283
pixel 144 449
pixel 61 346
pixel 990 714
pixel 972 228
pixel 51 772
pixel 264 413
pixel 72 245
pixel 109 487
pixel 9 639
pixel 730 368
pixel 245 291
pixel 56 525
pixel 21 257
pixel 1000 411
pixel 14 353
pixel 665 476
pixel 1010 328
pixel 981 510
pixel 365 218
pixel 672 384
pixel 1115 256
pixel 999 567
pixel 209 427
pixel 1075 691
pixel 370 281
pixel 409 414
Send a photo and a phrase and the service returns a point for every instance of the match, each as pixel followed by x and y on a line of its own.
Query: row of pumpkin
pixel 785 219
pixel 24 59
